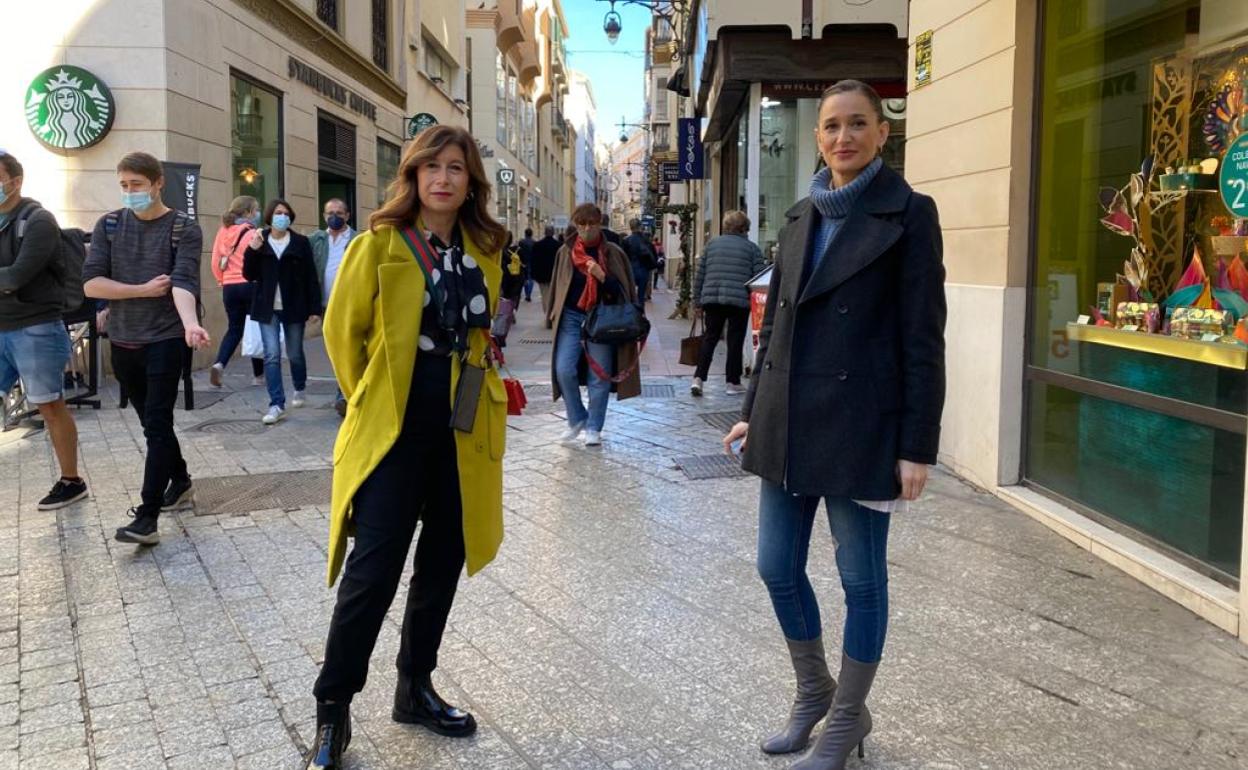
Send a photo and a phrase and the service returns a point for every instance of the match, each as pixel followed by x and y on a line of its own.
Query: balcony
pixel 508 25
pixel 559 128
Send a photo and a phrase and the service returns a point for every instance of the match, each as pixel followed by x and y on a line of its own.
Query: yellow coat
pixel 371 329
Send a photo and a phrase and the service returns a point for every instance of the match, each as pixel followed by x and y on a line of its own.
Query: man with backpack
pixel 641 256
pixel 34 345
pixel 144 260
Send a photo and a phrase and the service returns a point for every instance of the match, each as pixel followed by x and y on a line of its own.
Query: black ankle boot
pixel 417 703
pixel 333 735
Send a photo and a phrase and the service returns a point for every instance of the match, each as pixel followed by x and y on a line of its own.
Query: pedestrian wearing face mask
pixel 279 262
pixel 329 246
pixel 144 260
pixel 228 248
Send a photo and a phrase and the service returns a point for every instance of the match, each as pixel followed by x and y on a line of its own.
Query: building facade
pixel 582 114
pixel 301 100
pixel 754 72
pixel 1054 201
pixel 518 49
pixel 628 180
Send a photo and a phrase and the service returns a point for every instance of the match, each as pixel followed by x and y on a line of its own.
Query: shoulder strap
pixel 426 256
pixel 19 224
pixel 180 223
pixel 111 220
pixel 243 234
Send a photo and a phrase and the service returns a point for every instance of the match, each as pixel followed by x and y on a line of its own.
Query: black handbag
pixel 615 324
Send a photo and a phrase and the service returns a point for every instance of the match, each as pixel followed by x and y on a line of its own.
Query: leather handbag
pixel 691 346
pixel 615 324
pixel 516 398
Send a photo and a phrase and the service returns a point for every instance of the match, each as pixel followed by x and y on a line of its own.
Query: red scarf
pixel 581 261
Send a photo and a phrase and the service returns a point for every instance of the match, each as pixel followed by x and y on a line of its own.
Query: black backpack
pixel 68 265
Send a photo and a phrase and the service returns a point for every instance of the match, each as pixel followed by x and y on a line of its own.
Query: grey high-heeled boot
pixel 815 690
pixel 848 723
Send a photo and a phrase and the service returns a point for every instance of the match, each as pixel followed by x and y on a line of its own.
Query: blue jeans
pixel 785 522
pixel 568 355
pixel 37 354
pixel 270 333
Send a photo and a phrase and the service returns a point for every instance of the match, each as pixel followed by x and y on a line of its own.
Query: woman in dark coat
pixel 845 405
pixel 287 295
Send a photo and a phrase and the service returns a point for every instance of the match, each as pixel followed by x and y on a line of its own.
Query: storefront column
pixel 752 159
pixel 1243 570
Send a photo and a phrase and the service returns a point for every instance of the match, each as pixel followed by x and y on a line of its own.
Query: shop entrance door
pixel 335 149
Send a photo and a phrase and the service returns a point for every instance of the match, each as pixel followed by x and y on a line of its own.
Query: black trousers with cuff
pixel 715 317
pixel 418 480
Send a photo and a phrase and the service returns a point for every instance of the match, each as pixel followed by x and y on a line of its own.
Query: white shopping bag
pixel 253 342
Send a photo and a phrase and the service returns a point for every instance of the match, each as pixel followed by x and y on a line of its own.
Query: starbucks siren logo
pixel 68 108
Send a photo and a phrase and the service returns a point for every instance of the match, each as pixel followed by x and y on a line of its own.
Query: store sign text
pixel 331 89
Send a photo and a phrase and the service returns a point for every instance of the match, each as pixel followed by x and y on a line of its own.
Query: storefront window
pixel 513 121
pixel 501 100
pixel 387 168
pixel 1137 399
pixel 256 139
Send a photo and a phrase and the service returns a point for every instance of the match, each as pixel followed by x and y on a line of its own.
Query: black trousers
pixel 418 480
pixel 237 300
pixel 150 376
pixel 714 317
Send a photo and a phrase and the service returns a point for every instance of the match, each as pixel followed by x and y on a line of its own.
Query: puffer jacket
pixel 728 262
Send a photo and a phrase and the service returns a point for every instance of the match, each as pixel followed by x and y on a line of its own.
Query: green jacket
pixel 320 250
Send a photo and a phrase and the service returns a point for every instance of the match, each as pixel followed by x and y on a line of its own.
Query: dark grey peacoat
pixel 850 372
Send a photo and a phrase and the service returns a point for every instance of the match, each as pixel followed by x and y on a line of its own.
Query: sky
pixel 617 72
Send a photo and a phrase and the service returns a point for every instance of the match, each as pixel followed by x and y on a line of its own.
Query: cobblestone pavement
pixel 623 625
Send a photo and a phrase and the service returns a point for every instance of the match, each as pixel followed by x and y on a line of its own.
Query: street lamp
pixel 625 126
pixel 668 10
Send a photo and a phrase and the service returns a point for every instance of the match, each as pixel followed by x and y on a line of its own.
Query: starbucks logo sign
pixel 68 108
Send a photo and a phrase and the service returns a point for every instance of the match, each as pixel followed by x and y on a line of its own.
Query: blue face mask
pixel 257 219
pixel 3 197
pixel 335 222
pixel 137 201
pixel 281 222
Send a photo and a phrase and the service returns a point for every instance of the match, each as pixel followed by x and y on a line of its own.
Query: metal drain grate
pixel 721 420
pixel 262 491
pixel 701 467
pixel 658 391
pixel 231 427
pixel 537 341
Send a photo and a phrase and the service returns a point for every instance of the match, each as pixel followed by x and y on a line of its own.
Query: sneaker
pixel 274 414
pixel 298 399
pixel 572 431
pixel 593 438
pixel 696 388
pixel 214 375
pixel 340 406
pixel 735 389
pixel 64 492
pixel 142 530
pixel 179 496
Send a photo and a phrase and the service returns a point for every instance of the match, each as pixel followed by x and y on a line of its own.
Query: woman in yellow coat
pixel 407 331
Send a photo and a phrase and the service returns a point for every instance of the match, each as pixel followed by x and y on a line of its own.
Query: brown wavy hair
pixel 402 204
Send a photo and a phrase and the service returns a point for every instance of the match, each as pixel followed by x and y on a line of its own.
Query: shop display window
pixel 256 139
pixel 1138 347
pixel 387 167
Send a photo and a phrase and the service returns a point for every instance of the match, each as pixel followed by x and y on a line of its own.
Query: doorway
pixel 335 149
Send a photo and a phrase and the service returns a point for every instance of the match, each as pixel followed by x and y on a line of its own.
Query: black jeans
pixel 237 300
pixel 714 317
pixel 417 480
pixel 150 377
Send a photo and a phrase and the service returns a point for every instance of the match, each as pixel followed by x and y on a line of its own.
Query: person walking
pixel 641 257
pixel 144 259
pixel 287 296
pixel 721 298
pixel 588 270
pixel 228 248
pixel 845 407
pixel 409 327
pixel 34 345
pixel 544 254
pixel 526 260
pixel 513 273
pixel 329 246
